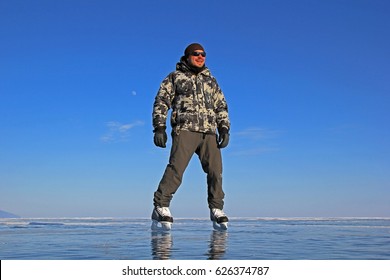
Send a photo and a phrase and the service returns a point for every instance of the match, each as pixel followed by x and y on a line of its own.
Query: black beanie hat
pixel 191 48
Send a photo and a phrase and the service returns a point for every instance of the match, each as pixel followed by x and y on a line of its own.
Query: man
pixel 199 110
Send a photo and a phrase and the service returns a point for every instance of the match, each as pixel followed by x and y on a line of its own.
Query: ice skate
pixel 219 219
pixel 161 218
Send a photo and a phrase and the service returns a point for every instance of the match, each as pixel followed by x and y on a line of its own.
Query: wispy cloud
pixel 118 132
pixel 255 141
pixel 257 133
pixel 345 128
pixel 254 151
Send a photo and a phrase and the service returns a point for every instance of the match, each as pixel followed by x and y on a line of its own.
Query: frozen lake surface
pixel 194 239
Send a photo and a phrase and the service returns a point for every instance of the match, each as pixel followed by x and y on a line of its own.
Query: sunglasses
pixel 203 54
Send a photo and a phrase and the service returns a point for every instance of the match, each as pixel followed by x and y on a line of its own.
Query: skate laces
pixel 217 213
pixel 164 211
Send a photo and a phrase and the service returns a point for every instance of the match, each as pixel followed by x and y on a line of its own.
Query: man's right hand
pixel 160 137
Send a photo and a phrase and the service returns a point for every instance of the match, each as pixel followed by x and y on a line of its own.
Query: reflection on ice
pixel 217 245
pixel 161 242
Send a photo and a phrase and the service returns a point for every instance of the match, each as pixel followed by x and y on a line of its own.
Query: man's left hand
pixel 223 140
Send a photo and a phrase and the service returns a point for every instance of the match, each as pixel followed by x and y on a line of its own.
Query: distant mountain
pixel 4 214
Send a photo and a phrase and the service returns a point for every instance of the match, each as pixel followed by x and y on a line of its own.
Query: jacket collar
pixel 183 66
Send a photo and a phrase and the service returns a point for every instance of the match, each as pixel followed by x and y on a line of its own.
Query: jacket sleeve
pixel 163 102
pixel 221 109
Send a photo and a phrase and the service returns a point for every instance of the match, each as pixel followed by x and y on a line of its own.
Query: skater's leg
pixel 183 147
pixel 211 160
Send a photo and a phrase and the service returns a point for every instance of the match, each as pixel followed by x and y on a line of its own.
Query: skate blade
pixel 221 226
pixel 161 226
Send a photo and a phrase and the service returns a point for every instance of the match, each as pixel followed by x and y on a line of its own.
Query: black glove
pixel 223 138
pixel 160 137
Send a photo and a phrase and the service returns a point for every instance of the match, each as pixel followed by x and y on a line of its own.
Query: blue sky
pixel 307 83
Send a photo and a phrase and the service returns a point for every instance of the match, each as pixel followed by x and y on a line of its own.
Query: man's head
pixel 195 55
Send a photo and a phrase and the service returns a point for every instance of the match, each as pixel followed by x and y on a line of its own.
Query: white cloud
pixel 343 129
pixel 257 133
pixel 254 141
pixel 118 132
pixel 254 151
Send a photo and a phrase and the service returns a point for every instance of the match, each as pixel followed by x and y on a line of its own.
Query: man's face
pixel 198 58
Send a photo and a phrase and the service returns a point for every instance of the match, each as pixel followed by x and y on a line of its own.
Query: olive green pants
pixel 184 146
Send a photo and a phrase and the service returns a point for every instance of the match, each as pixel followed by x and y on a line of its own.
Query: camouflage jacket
pixel 196 100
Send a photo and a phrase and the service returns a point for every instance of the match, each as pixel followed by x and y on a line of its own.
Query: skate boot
pixel 219 219
pixel 162 216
